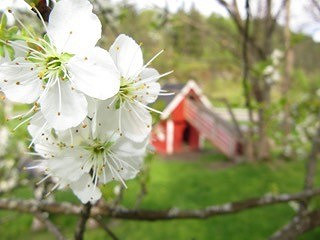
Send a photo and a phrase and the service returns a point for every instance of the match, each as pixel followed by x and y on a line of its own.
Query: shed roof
pixel 171 88
pixel 180 91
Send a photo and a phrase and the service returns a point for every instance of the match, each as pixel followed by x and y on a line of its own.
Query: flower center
pixel 98 148
pixel 127 92
pixel 51 63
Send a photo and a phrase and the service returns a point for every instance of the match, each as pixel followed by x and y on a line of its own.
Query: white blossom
pixel 4 140
pixel 86 156
pixel 276 56
pixel 138 88
pixel 62 68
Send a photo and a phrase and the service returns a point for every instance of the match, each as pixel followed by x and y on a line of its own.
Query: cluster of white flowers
pixel 271 72
pixel 90 120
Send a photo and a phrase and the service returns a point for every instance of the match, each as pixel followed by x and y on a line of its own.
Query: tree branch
pixel 29 206
pixel 287 232
pixel 233 12
pixel 106 228
pixel 311 164
pixel 85 214
pixel 232 115
pixel 299 225
pixel 50 226
pixel 276 17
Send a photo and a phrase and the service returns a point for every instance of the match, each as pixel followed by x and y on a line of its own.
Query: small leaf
pixel 13 30
pixel 4 21
pixel 2 51
pixel 10 51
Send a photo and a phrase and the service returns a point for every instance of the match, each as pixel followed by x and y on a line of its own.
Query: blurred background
pixel 242 122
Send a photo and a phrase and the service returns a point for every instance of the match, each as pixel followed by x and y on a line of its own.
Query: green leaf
pixel 10 51
pixel 13 30
pixel 3 23
pixel 2 51
pixel 32 2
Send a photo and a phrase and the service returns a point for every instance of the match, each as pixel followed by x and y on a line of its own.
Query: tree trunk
pixel 289 58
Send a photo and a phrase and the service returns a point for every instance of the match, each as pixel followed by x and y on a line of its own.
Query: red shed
pixel 188 119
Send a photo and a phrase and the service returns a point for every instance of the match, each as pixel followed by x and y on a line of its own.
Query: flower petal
pixel 85 189
pixel 73 28
pixel 150 91
pixel 135 122
pixel 105 122
pixel 95 74
pixel 36 124
pixel 67 164
pixel 19 81
pixel 125 147
pixel 131 120
pixel 66 111
pixel 130 167
pixel 127 56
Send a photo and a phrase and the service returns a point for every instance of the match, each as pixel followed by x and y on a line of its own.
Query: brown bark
pixel 84 216
pixel 289 57
pixel 299 225
pixel 246 85
pixel 301 220
pixel 30 206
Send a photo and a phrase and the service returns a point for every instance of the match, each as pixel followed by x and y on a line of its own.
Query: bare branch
pixel 85 214
pixel 29 206
pixel 233 12
pixel 287 231
pixel 232 115
pixel 299 225
pixel 276 16
pixel 245 83
pixel 50 225
pixel 311 164
pixel 106 228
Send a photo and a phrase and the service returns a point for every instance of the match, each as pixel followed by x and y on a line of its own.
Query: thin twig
pixel 50 225
pixel 232 115
pixel 84 216
pixel 106 227
pixel 233 11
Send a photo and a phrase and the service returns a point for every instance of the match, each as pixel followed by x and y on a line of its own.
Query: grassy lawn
pixel 189 184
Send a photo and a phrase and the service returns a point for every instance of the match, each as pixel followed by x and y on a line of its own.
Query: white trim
pixel 191 85
pixel 170 136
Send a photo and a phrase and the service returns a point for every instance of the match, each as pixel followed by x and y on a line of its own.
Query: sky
pixel 301 19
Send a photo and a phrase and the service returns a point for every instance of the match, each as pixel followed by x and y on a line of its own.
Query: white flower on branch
pixel 62 68
pixel 86 156
pixel 9 175
pixel 138 88
pixel 4 140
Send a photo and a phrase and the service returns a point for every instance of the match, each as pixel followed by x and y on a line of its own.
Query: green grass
pixel 190 184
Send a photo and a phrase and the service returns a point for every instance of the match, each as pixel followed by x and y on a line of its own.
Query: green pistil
pixel 125 93
pixel 99 148
pixel 47 58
